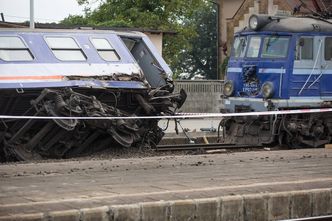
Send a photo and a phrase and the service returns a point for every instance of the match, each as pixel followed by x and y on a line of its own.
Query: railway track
pixel 317 218
pixel 212 146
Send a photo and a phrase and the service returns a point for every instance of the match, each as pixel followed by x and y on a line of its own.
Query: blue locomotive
pixel 87 73
pixel 280 63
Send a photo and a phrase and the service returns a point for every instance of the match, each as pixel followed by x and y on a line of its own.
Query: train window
pixel 328 48
pixel 253 48
pixel 65 49
pixel 305 48
pixel 105 49
pixel 275 47
pixel 129 43
pixel 13 49
pixel 239 47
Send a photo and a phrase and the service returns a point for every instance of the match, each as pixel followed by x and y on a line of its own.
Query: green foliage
pixel 202 58
pixel 190 50
pixel 74 20
pixel 224 67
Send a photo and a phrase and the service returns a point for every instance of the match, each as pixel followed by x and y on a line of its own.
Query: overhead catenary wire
pixel 27 18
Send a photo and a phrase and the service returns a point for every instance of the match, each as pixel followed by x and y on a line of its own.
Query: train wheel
pixel 22 154
pixel 292 141
pixel 122 138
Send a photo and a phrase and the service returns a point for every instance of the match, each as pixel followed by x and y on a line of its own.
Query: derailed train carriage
pixel 280 63
pixel 87 73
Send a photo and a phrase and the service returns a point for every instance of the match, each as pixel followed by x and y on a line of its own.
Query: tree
pixel 182 16
pixel 202 57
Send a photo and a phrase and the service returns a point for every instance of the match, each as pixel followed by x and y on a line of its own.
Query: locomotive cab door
pixel 326 68
pixel 307 67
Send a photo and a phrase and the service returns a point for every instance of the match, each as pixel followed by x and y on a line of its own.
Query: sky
pixel 45 10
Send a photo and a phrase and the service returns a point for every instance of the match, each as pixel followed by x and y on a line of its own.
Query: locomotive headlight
pixel 257 22
pixel 228 88
pixel 267 90
pixel 253 22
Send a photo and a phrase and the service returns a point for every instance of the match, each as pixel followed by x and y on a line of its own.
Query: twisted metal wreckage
pixel 26 139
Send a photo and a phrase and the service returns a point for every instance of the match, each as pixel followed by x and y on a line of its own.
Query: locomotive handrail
pixel 281 79
pixel 317 79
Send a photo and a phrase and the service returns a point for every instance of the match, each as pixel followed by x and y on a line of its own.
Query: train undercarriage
pixel 292 131
pixel 31 139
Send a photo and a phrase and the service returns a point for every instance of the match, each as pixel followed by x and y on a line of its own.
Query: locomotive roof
pixel 297 24
pixel 76 31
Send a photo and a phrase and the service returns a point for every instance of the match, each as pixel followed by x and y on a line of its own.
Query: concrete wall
pixel 203 96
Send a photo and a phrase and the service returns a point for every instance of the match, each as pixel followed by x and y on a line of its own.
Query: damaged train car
pixel 80 73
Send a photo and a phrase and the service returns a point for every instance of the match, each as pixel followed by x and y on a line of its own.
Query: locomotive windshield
pixel 239 47
pixel 275 47
pixel 272 47
pixel 254 45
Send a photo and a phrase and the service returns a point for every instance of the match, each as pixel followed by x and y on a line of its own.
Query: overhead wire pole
pixel 2 17
pixel 32 16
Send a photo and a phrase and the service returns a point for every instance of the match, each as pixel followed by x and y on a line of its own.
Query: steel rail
pixel 212 146
pixel 316 218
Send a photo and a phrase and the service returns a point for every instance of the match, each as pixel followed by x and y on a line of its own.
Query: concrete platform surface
pixel 267 185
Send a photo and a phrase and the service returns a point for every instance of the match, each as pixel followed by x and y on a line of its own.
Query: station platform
pixel 264 185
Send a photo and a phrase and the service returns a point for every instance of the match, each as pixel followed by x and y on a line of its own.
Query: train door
pixel 152 70
pixel 307 67
pixel 326 65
